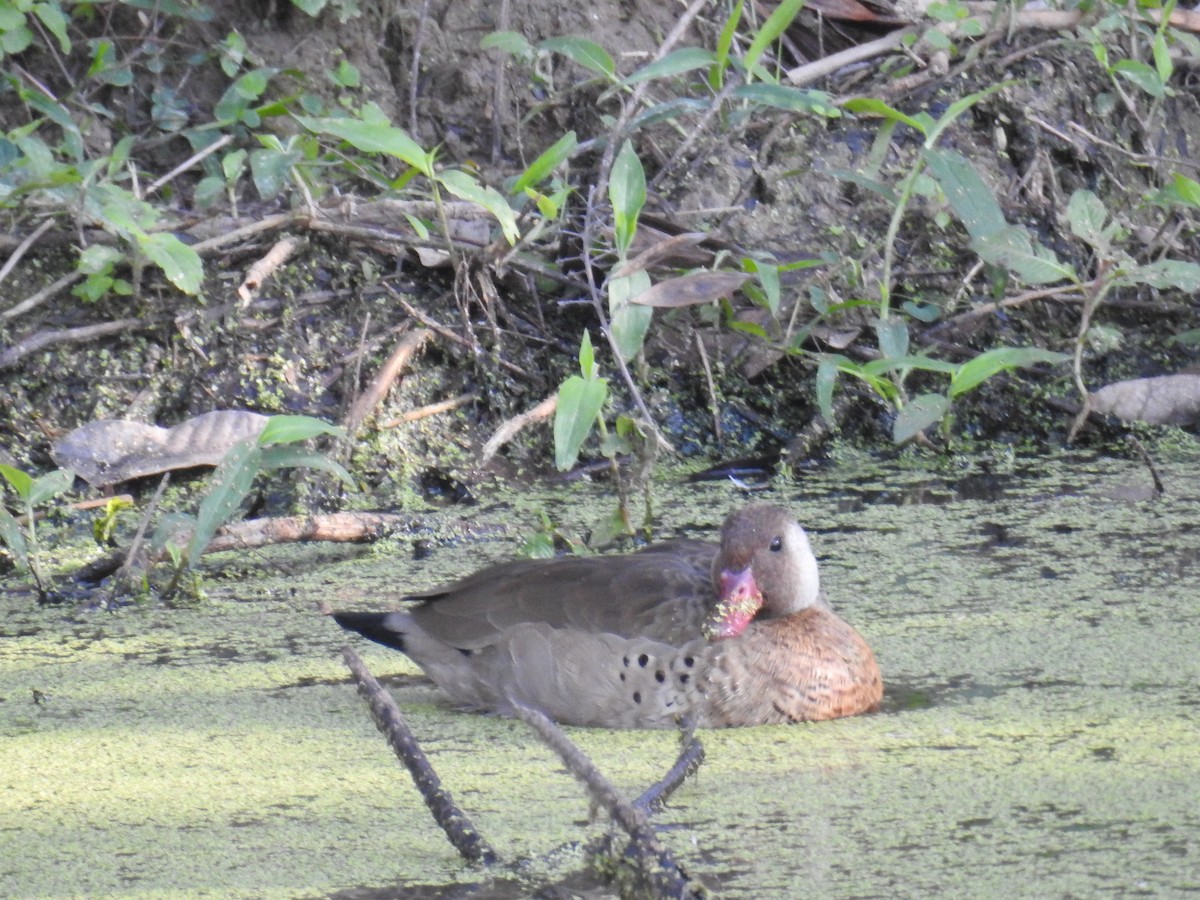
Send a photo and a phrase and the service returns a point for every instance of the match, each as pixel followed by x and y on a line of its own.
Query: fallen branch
pixel 655 864
pixel 453 821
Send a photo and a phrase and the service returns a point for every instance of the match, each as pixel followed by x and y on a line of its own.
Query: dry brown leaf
pixel 669 249
pixel 691 290
pixel 1165 400
pixel 110 451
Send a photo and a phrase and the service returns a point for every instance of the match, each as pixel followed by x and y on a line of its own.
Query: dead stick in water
pixel 452 820
pixel 655 862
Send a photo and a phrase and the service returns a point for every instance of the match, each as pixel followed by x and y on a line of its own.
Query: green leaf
pixel 976 371
pixel 716 74
pixel 1166 273
pixel 893 364
pixel 886 191
pixel 1085 216
pixel 467 187
pixel 869 106
pixel 777 23
pixel 827 373
pixel 579 403
pixel 230 484
pixel 1187 189
pixel 767 274
pixel 13 538
pixel 1013 249
pixel 271 170
pixel 587 356
pixel 674 63
pixel 179 262
pixel 280 457
pixel 56 23
pixel 1141 75
pixel 50 485
pixel 542 167
pixel 586 53
pixel 917 415
pixel 292 429
pixel 511 42
pixel 967 193
pixel 373 138
pixel 19 481
pixel 1163 65
pixel 628 321
pixel 627 193
pixel 786 97
pixel 893 337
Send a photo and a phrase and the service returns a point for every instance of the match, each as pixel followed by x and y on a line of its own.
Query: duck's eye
pixel 776 545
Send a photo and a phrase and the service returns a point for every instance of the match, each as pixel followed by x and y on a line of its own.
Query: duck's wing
pixel 662 594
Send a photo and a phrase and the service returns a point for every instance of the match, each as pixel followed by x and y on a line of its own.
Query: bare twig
pixel 691 755
pixel 23 247
pixel 42 296
pixel 43 339
pixel 188 163
pixel 453 821
pixel 513 426
pixel 382 381
pixel 655 860
pixel 433 409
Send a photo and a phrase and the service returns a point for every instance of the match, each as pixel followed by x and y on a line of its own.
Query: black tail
pixel 374 626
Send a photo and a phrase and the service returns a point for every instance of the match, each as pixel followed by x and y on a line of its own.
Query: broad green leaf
pixel 271 170
pixel 20 482
pixel 56 23
pixel 13 538
pixel 542 167
pixel 1187 189
pixel 1085 216
pixel 777 23
pixel 1166 273
pixel 629 321
pixel 465 186
pixel 230 484
pixel 975 371
pixel 179 262
pixel 1013 249
pixel 1141 75
pixel 579 403
pixel 917 415
pixel 50 485
pixel 586 53
pixel 373 138
pixel 511 42
pixel 627 193
pixel 967 193
pixel 311 7
pixel 893 337
pixel 283 457
pixel 291 429
pixel 675 63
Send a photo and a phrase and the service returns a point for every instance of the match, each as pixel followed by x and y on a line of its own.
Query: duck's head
pixel 764 569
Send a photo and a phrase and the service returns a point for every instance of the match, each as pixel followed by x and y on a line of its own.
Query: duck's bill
pixel 739 603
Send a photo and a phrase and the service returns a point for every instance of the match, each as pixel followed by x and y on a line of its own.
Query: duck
pixel 729 634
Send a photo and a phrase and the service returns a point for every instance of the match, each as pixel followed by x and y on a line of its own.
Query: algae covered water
pixel 1037 622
